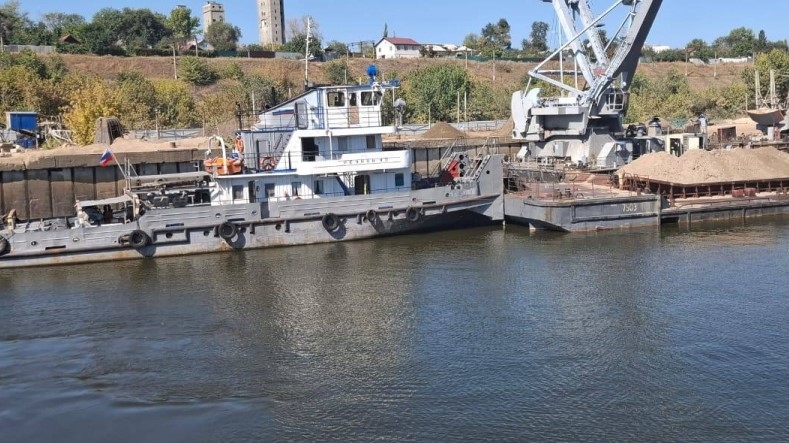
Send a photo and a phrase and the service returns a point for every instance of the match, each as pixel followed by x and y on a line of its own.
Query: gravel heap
pixel 443 130
pixel 699 166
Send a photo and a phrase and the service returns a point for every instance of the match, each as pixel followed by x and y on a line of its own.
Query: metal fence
pixel 167 134
pixel 36 49
pixel 475 126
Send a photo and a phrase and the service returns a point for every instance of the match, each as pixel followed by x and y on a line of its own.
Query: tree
pixel 223 36
pixel 298 26
pixel 431 92
pixel 386 31
pixel 91 98
pixel 775 60
pixel 182 24
pixel 128 28
pixel 539 36
pixel 60 24
pixel 298 44
pixel 337 47
pixel 495 38
pixel 471 41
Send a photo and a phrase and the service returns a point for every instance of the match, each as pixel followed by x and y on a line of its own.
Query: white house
pixel 397 47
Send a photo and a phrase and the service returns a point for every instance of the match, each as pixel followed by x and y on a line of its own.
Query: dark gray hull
pixel 195 229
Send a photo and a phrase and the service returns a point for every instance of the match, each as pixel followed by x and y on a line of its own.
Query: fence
pixel 35 49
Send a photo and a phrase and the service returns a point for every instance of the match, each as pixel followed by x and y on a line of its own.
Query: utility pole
pixel 307 54
pixel 175 65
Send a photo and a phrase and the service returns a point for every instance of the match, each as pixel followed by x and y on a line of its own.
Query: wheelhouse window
pixel 399 179
pixel 336 99
pixel 318 187
pixel 370 98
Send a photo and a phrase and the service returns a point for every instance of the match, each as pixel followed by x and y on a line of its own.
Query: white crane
pixel 578 124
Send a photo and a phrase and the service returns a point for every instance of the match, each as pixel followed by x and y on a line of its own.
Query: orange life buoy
pixel 267 163
pixel 239 144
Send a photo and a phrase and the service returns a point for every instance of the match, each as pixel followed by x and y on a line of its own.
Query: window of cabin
pixel 238 192
pixel 342 144
pixel 370 98
pixel 399 179
pixel 318 187
pixel 370 142
pixel 269 189
pixel 336 99
pixel 295 189
pixel 352 99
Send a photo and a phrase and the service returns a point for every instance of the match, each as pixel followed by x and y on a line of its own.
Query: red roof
pixel 401 41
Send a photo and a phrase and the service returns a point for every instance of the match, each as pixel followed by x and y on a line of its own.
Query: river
pixel 486 334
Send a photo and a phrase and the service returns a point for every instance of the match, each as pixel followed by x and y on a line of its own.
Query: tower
pixel 213 12
pixel 271 21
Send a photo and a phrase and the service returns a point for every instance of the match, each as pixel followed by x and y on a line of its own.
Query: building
pixel 271 22
pixel 397 47
pixel 213 12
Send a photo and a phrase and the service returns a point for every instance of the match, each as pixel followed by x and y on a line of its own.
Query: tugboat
pixel 311 170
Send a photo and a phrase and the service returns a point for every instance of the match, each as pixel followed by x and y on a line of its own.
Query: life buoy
pixel 330 222
pixel 412 214
pixel 139 239
pixel 239 144
pixel 227 230
pixel 267 163
pixel 3 245
pixel 371 215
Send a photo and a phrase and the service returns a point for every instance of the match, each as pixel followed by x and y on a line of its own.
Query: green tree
pixel 539 36
pixel 495 38
pixel 471 41
pixel 298 44
pixel 61 24
pixel 777 61
pixel 431 92
pixel 223 36
pixel 129 28
pixel 182 24
pixel 337 47
pixel 138 100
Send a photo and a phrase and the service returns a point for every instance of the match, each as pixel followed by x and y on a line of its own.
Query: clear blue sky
pixel 445 21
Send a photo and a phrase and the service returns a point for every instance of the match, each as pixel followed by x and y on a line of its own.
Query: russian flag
pixel 106 158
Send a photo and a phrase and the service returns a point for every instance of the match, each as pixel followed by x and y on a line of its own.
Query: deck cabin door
pixel 353 109
pixel 361 184
pixel 252 190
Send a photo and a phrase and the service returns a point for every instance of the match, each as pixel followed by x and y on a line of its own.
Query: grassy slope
pixel 507 74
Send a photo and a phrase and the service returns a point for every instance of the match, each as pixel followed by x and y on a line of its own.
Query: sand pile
pixel 506 130
pixel 698 166
pixel 443 130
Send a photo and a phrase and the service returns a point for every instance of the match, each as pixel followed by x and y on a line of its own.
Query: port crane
pixel 580 123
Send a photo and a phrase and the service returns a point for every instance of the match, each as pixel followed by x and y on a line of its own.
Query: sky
pixel 445 21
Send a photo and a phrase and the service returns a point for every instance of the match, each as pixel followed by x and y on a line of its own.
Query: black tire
pixel 371 215
pixel 139 239
pixel 4 246
pixel 412 214
pixel 227 230
pixel 331 222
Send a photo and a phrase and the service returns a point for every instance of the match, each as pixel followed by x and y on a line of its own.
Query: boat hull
pixel 197 229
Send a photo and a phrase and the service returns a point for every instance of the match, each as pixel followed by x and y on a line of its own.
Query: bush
pixel 196 71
